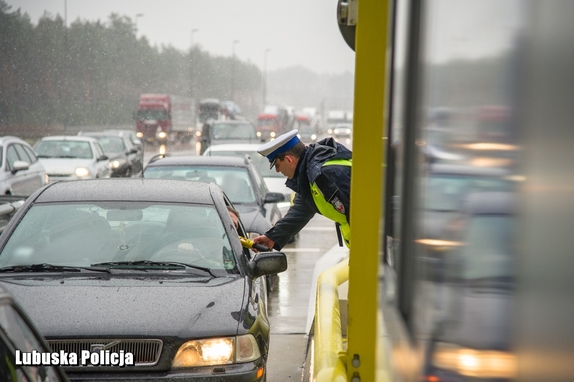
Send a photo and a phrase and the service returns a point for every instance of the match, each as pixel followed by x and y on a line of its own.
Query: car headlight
pixel 259 134
pixel 313 136
pixel 162 134
pixel 330 131
pixel 198 133
pixel 217 351
pixel 139 134
pixel 272 134
pixel 82 172
pixel 336 131
pixel 475 363
pixel 117 163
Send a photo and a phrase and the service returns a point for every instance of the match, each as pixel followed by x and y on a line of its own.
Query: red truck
pixel 272 122
pixel 164 118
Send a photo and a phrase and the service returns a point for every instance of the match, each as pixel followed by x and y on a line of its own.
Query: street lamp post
pixel 191 63
pixel 233 71
pixel 265 77
pixel 136 23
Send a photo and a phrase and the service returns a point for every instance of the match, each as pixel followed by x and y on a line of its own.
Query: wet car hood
pixel 65 165
pixel 183 307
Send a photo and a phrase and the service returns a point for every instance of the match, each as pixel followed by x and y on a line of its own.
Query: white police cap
pixel 278 145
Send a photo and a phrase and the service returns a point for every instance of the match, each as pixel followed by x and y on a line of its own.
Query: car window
pixel 18 334
pixel 112 144
pixel 63 149
pixel 234 181
pixel 31 154
pixel 258 180
pixel 98 149
pixel 81 234
pixel 11 157
pixel 22 154
pixel 261 162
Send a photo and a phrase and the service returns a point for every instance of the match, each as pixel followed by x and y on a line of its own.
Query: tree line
pixel 92 73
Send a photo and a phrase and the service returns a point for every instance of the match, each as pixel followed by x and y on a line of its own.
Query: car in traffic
pixel 20 336
pixel 149 270
pixel 131 135
pixel 126 160
pixel 21 173
pixel 341 130
pixel 72 157
pixel 227 131
pixel 239 179
pixel 274 180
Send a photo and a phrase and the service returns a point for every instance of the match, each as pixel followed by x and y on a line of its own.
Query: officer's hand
pixel 264 240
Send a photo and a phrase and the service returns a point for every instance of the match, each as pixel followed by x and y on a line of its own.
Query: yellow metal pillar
pixel 366 186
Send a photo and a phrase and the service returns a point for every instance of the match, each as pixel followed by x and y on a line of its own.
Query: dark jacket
pixel 333 181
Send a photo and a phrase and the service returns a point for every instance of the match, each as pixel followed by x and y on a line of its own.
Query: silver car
pixel 72 157
pixel 21 173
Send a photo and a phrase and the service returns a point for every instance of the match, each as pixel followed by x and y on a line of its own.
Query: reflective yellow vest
pixel 326 209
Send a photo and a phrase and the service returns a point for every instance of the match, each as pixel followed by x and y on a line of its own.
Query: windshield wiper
pixel 148 263
pixel 44 267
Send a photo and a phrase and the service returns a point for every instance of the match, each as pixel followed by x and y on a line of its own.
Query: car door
pixel 102 165
pixel 36 174
pixel 19 182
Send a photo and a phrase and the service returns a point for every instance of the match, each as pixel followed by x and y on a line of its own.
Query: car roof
pixel 69 138
pixel 128 190
pixel 201 160
pixel 234 147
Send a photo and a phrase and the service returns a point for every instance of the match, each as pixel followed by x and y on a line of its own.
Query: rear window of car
pixel 83 234
pixel 234 181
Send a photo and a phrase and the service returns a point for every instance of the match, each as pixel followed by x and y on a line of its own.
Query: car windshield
pixel 64 149
pixel 83 234
pixel 111 144
pixel 261 162
pixel 266 122
pixel 234 181
pixel 153 115
pixel 234 131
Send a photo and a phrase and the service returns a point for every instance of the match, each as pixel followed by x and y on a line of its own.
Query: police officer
pixel 320 174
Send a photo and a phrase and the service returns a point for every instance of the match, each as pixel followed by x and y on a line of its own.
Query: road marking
pixel 301 250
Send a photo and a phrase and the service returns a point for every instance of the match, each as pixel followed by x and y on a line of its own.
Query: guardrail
pixel 329 355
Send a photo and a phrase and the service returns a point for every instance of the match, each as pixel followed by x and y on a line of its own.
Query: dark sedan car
pixel 239 178
pixel 146 274
pixel 126 159
pixel 18 338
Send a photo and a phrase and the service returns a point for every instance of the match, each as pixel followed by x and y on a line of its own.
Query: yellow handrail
pixel 329 357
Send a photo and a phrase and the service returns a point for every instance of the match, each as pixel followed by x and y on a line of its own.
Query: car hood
pixel 252 219
pixel 64 165
pixel 184 307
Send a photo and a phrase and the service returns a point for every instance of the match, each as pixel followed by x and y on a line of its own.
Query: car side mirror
pixel 103 157
pixel 20 165
pixel 274 197
pixel 268 263
pixel 133 151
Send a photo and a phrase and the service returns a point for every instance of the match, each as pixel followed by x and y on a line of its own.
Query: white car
pixel 275 181
pixel 21 173
pixel 72 157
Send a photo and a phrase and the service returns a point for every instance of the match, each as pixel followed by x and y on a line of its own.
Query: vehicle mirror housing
pixel 274 197
pixel 103 157
pixel 20 165
pixel 268 263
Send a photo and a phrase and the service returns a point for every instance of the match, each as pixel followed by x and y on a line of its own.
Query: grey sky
pixel 297 32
